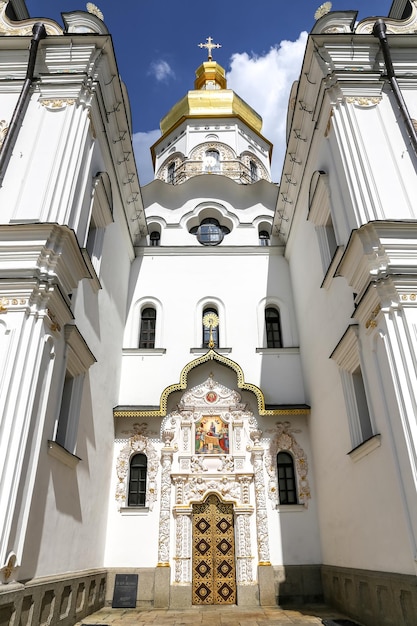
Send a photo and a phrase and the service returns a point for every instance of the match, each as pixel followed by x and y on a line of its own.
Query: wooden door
pixel 214 575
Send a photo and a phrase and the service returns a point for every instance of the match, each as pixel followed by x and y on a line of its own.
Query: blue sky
pixel 157 51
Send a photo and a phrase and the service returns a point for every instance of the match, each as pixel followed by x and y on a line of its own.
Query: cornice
pixel 207 187
pixel 378 250
pixel 47 252
pixel 80 69
pixel 209 251
pixel 331 75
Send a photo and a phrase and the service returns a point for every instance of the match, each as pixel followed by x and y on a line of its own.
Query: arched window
pixel 212 161
pixel 253 171
pixel 287 487
pixel 273 328
pixel 263 238
pixel 155 238
pixel 171 174
pixel 147 328
pixel 210 314
pixel 137 480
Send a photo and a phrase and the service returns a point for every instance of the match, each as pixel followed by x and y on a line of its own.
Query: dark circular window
pixel 210 232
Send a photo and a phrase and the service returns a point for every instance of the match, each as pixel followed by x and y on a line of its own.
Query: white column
pixel 244 556
pixel 165 512
pixel 183 546
pixel 260 500
pixel 24 391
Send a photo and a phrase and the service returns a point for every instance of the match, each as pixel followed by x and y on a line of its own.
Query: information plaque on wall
pixel 125 591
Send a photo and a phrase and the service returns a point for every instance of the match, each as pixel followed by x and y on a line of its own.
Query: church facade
pixel 209 381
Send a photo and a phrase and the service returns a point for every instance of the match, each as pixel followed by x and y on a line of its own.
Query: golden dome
pixel 211 98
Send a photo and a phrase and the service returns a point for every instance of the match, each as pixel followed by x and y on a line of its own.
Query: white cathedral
pixel 210 381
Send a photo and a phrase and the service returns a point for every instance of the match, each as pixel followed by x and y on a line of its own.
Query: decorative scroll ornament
pixel 57 104
pixel 8 573
pixel 364 102
pixel 23 28
pixel 197 464
pixel 3 131
pixel 94 10
pixel 285 440
pixel 400 27
pixel 197 488
pixel 323 10
pixel 371 322
pixel 137 443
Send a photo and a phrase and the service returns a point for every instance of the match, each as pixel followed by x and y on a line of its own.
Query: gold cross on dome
pixel 209 46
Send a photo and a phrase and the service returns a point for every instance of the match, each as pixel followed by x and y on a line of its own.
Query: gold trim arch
pixel 211 355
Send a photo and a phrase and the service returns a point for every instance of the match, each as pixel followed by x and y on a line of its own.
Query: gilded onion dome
pixel 211 130
pixel 209 98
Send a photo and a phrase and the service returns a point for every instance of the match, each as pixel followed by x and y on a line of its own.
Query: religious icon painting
pixel 211 436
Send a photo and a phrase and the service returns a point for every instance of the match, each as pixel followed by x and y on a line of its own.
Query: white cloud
pixel 265 82
pixel 141 146
pixel 161 70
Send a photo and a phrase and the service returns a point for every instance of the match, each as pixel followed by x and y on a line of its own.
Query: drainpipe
pixel 38 32
pixel 379 31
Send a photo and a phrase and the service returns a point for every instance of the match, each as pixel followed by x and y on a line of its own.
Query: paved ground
pixel 213 616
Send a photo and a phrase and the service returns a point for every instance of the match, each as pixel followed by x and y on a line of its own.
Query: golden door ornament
pixel 214 573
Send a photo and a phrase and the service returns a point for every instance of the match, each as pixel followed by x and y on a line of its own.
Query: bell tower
pixel 211 130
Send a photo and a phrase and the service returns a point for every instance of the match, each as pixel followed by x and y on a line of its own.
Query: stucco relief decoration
pixel 210 395
pixel 243 548
pixel 227 464
pixel 176 160
pixel 323 10
pixel 283 440
pixel 364 103
pixel 197 464
pixel 24 27
pixel 412 297
pixel 182 549
pixel 94 10
pixel 7 302
pixel 3 131
pixel 197 487
pixel 408 25
pixel 247 158
pixel 165 514
pixel 57 104
pixel 261 514
pixel 213 409
pixel 8 573
pixel 137 443
pixel 226 153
